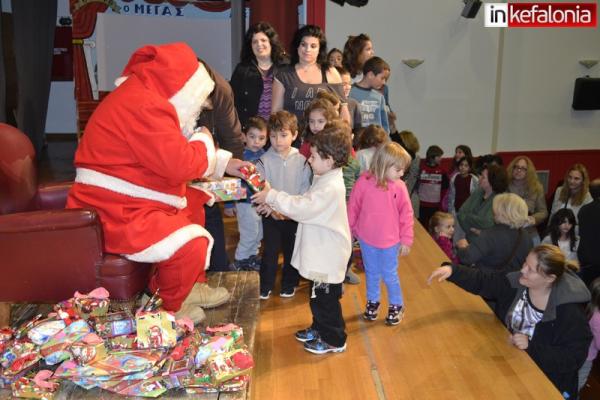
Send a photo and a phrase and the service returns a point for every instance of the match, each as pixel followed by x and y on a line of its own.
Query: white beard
pixel 188 123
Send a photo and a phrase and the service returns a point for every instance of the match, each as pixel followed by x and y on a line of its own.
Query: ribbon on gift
pixel 41 380
pixel 98 293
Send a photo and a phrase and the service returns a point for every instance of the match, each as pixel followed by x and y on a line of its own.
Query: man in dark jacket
pixel 220 117
pixel 589 236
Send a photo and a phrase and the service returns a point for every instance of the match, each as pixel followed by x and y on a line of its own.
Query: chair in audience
pixel 47 253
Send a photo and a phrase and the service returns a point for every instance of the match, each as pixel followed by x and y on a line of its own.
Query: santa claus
pixel 138 152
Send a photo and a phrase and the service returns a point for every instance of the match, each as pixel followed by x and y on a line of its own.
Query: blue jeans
pixel 382 264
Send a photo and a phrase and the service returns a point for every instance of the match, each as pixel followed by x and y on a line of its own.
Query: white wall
pixel 450 99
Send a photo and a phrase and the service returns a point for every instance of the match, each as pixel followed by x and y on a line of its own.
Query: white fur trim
pixel 165 248
pixel 211 201
pixel 210 151
pixel 189 99
pixel 99 179
pixel 120 80
pixel 223 157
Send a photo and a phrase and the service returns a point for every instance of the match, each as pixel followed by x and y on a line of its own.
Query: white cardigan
pixel 323 242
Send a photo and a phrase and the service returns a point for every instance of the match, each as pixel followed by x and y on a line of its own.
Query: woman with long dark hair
pixel 296 85
pixel 252 80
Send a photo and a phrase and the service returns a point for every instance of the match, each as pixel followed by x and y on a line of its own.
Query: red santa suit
pixel 135 159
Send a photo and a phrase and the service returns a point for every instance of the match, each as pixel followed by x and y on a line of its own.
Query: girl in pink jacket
pixel 381 218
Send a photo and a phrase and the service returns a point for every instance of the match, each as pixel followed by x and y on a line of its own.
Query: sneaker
pixel 265 294
pixel 241 265
pixel 318 346
pixel 395 315
pixel 371 310
pixel 306 335
pixel 351 278
pixel 255 263
pixel 207 297
pixel 287 292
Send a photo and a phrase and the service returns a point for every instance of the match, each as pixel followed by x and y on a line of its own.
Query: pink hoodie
pixel 381 218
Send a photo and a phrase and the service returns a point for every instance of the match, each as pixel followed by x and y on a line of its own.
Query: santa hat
pixel 173 72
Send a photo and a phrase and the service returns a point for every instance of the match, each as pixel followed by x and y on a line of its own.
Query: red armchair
pixel 47 252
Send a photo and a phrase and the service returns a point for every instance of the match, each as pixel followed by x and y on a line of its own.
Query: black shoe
pixel 371 310
pixel 287 292
pixel 395 315
pixel 265 294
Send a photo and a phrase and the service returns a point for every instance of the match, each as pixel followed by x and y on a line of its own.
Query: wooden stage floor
pixel 449 346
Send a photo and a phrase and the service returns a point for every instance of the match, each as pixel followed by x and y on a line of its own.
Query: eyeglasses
pixel 518 168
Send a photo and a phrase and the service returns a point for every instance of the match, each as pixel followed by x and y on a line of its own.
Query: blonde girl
pixel 381 218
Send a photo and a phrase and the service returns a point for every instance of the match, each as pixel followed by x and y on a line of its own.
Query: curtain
pixel 2 78
pixel 34 23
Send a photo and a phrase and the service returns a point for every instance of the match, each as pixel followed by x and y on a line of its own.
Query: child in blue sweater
pixel 371 102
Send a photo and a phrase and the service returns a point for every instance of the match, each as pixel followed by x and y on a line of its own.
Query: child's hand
pixel 229 211
pixel 462 244
pixel 404 250
pixel 261 197
pixel 520 341
pixel 441 274
pixel 264 210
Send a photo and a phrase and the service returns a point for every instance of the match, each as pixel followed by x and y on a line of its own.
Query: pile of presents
pixel 142 355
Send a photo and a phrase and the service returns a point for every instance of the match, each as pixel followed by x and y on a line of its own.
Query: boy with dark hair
pixel 432 185
pixel 284 168
pixel 323 241
pixel 249 222
pixel 371 101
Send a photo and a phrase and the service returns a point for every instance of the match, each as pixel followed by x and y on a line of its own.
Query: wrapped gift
pixel 18 349
pixel 176 373
pixel 38 387
pixel 151 387
pixel 124 364
pixel 6 335
pixel 57 348
pixel 114 324
pixel 155 329
pixel 43 331
pixel 252 178
pixel 224 189
pixel 223 367
pixel 200 382
pixel 215 345
pixel 236 384
pixel 123 342
pixel 93 304
pixel 66 311
pixel 91 348
pixel 234 331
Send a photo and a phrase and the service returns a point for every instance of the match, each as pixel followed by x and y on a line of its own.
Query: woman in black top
pixel 296 85
pixel 252 79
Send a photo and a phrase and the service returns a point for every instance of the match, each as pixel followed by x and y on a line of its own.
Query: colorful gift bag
pixel 155 329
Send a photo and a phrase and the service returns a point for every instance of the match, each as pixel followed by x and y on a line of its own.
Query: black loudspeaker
pixel 586 95
pixel 471 8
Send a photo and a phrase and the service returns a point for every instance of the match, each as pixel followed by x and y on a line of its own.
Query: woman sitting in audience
pixel 541 306
pixel 410 142
pixel 476 213
pixel 561 233
pixel 523 181
pixel 574 193
pixel 504 246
